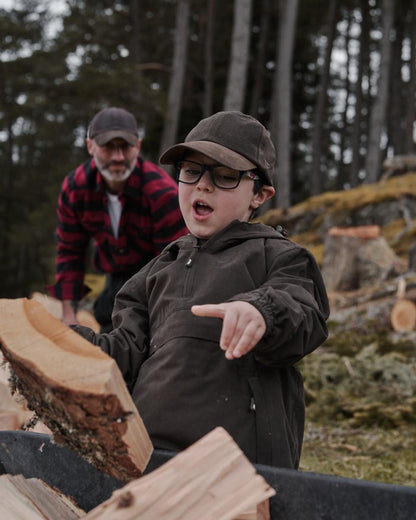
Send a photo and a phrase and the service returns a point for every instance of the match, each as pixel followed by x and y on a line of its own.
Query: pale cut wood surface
pixel 363 232
pixel 54 307
pixel 210 480
pixel 32 499
pixel 76 389
pixel 403 313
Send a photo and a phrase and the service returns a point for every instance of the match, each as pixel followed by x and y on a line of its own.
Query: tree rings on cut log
pixel 403 316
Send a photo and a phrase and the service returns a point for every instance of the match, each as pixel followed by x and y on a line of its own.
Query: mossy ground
pixel 361 408
pixel 371 453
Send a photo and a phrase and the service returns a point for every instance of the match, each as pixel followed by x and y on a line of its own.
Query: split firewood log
pixel 210 479
pixel 76 389
pixel 403 314
pixel 32 499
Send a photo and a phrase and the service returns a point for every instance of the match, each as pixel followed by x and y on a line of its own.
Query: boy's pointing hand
pixel 243 325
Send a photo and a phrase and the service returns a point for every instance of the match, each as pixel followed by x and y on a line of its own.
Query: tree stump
pixel 357 256
pixel 75 389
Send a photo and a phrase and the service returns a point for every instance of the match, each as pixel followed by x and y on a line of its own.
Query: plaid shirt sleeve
pixel 71 250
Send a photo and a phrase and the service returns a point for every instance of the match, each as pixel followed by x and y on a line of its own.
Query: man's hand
pixel 68 313
pixel 243 326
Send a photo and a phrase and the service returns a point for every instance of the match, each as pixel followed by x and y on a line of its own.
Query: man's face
pixel 207 209
pixel 115 160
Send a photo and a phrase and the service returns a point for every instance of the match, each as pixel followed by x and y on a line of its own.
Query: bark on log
pixel 32 499
pixel 75 389
pixel 355 257
pixel 210 479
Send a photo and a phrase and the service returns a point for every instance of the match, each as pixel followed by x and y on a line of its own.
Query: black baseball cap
pixel 111 123
pixel 233 139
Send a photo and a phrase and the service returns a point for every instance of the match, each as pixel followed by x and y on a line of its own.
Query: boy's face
pixel 207 209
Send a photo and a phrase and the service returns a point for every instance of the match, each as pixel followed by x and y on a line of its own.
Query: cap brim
pixel 105 137
pixel 214 151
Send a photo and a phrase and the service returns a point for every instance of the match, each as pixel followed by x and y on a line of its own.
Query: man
pixel 127 205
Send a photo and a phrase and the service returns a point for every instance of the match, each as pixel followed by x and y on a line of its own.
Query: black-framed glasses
pixel 190 172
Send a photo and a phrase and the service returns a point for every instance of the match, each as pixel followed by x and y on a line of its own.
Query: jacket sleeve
pixel 128 342
pixel 294 304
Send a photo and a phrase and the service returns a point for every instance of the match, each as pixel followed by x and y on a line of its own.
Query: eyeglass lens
pixel 190 173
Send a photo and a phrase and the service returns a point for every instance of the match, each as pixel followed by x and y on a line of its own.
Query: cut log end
pixel 403 316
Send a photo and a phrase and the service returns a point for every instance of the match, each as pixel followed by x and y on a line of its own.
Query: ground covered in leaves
pixel 361 408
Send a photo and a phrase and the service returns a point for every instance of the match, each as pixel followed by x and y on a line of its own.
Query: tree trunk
pixel 410 105
pixel 178 75
pixel 208 102
pixel 379 109
pixel 395 111
pixel 282 100
pixel 240 51
pixel 260 59
pixel 344 129
pixel 135 48
pixel 359 121
pixel 321 104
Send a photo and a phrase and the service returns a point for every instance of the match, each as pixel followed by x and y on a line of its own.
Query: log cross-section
pixel 76 389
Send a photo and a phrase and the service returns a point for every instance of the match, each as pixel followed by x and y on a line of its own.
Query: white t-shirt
pixel 114 209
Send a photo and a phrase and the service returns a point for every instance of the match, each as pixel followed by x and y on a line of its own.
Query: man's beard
pixel 115 177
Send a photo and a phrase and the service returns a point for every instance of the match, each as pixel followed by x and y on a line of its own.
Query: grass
pixel 374 454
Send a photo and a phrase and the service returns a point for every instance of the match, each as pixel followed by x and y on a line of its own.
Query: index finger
pixel 211 310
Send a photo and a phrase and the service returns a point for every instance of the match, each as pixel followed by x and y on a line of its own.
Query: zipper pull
pixel 189 262
pixel 252 405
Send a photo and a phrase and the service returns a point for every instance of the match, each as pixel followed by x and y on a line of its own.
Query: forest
pixel 332 80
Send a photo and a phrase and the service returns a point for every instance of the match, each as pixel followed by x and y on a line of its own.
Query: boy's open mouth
pixel 202 209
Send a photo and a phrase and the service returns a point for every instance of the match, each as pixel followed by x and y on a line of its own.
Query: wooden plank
pixel 76 389
pixel 32 499
pixel 212 479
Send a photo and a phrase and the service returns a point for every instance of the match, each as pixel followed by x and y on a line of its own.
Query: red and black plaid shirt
pixel 150 220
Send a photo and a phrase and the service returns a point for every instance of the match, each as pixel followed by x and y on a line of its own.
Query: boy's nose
pixel 205 182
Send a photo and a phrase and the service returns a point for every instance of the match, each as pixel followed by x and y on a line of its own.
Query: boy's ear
pixel 265 193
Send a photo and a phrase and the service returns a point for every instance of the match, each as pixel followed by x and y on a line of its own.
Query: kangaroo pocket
pixel 187 387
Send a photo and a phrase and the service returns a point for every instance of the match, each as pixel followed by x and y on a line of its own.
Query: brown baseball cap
pixel 233 139
pixel 111 123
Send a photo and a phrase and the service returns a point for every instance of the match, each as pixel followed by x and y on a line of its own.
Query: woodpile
pixel 79 393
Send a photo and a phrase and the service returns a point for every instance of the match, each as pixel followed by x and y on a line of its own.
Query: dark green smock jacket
pixel 180 380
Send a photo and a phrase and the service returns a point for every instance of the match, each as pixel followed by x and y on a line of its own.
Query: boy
pixel 229 287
